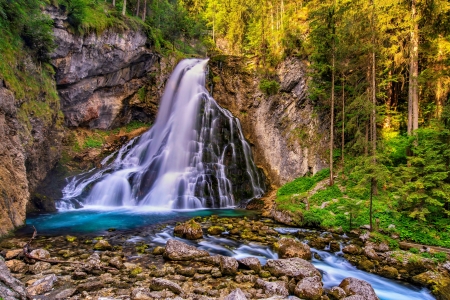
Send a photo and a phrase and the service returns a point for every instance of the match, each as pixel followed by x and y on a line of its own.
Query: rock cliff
pixel 98 76
pixel 289 139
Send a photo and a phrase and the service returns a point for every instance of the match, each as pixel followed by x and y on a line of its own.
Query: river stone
pixel 237 294
pixel 190 230
pixel 65 294
pixel 354 286
pixel 10 287
pixel 42 285
pixel 289 248
pixel 309 288
pixel 337 292
pixel 352 249
pixel 159 284
pixel 370 253
pixel 116 262
pixel 283 217
pixel 276 288
pixel 40 253
pixel 251 263
pixel 13 253
pixel 389 272
pixel 292 267
pixel 17 266
pixel 92 284
pixel 140 293
pixel 215 230
pixel 176 250
pixel 228 265
pixel 189 272
pixel 158 250
pixel 39 267
pixel 102 245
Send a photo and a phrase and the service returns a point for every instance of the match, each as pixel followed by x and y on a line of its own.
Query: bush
pixel 414 250
pixel 311 219
pixel 269 87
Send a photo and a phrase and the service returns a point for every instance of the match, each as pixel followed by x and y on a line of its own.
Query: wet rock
pixel 215 230
pixel 42 285
pixel 17 266
pixel 159 284
pixel 389 272
pixel 436 281
pixel 292 267
pixel 228 265
pixel 289 248
pixel 102 245
pixel 283 217
pixel 245 278
pixel 190 230
pixel 13 253
pixel 10 287
pixel 189 272
pixel 352 249
pixel 335 246
pixel 91 285
pixel 446 266
pixel 319 242
pixel 116 262
pixel 277 288
pixel 215 273
pixel 336 293
pixel 251 263
pixel 176 250
pixel 140 294
pixel 40 253
pixel 65 294
pixel 79 275
pixel 354 286
pixel 354 297
pixel 39 267
pixel 204 270
pixel 158 250
pixel 309 288
pixel 236 294
pixel 370 253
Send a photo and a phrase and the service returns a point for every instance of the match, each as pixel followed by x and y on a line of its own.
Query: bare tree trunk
pixel 144 13
pixel 332 117
pixel 137 8
pixel 124 9
pixel 413 91
pixel 114 2
pixel 374 107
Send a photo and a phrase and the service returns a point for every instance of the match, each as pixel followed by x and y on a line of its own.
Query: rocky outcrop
pixel 289 138
pixel 10 287
pixel 98 75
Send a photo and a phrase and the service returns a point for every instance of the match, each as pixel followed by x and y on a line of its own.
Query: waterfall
pixel 194 156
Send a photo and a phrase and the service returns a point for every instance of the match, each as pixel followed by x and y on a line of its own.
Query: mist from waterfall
pixel 194 156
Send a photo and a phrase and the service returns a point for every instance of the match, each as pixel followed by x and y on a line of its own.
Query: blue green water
pixel 91 220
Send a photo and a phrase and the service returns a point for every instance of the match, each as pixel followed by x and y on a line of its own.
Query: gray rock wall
pixel 289 139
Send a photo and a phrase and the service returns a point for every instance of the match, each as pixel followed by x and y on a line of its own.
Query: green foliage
pixel 330 193
pixel 93 142
pixel 269 87
pixel 302 184
pixel 311 219
pixel 414 250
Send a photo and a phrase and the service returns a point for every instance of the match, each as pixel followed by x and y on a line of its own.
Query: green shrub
pixel 311 219
pixel 330 193
pixel 299 185
pixel 269 87
pixel 440 256
pixel 414 250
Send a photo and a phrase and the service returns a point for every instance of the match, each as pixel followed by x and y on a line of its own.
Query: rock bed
pixel 116 267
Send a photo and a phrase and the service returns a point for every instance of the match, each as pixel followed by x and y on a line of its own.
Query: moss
pixel 141 248
pixel 134 272
pixel 70 238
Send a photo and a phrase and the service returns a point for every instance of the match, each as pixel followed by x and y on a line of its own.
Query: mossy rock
pixel 437 282
pixel 389 272
pixel 134 272
pixel 215 230
pixel 70 238
pixel 158 250
pixel 264 274
pixel 190 230
pixel 102 245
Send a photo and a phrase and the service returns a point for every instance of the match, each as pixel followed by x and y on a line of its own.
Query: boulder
pixel 337 293
pixel 215 230
pixel 116 262
pixel 389 272
pixel 10 287
pixel 292 267
pixel 251 263
pixel 190 230
pixel 354 286
pixel 237 294
pixel 40 253
pixel 283 217
pixel 276 288
pixel 228 265
pixel 140 293
pixel 159 284
pixel 64 294
pixel 42 285
pixel 91 285
pixel 437 282
pixel 289 248
pixel 309 288
pixel 158 250
pixel 176 250
pixel 370 253
pixel 39 267
pixel 13 253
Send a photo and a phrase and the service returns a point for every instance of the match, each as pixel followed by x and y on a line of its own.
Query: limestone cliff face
pixel 98 76
pixel 288 138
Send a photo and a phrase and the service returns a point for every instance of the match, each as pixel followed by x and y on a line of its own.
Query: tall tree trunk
pixel 413 90
pixel 137 8
pixel 372 184
pixel 332 116
pixel 114 2
pixel 343 122
pixel 144 13
pixel 124 9
pixel 374 106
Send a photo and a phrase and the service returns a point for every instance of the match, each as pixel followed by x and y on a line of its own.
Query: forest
pixel 379 70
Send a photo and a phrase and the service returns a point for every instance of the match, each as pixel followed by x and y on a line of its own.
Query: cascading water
pixel 194 156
